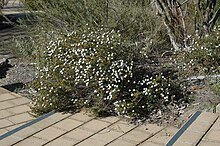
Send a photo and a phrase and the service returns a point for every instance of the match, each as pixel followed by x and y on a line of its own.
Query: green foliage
pixel 216 88
pixel 136 21
pixel 133 18
pixel 95 68
pixel 218 6
pixel 23 46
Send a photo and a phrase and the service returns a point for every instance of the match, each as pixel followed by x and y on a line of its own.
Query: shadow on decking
pixel 10 19
pixel 14 86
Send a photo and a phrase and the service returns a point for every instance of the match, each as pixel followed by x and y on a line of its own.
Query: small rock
pixel 159 113
pixel 181 111
pixel 195 104
pixel 218 108
pixel 3 62
pixel 182 108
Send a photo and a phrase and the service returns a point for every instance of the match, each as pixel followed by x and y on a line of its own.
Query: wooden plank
pixel 191 134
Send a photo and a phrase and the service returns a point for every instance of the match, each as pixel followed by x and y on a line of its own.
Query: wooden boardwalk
pixel 13 111
pixel 12 4
pixel 68 129
pixel 18 128
pixel 202 129
pixel 13 10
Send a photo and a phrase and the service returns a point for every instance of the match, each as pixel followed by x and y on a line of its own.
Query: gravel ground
pixel 21 71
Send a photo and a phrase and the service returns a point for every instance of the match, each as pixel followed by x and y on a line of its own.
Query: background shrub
pixel 216 88
pixel 135 19
pixel 202 56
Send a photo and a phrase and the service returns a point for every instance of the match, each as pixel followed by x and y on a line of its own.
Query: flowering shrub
pixel 94 68
pixel 202 56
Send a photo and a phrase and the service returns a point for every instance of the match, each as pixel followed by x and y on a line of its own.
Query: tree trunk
pixel 174 21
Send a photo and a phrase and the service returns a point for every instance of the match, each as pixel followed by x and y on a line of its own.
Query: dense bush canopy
pixel 94 68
